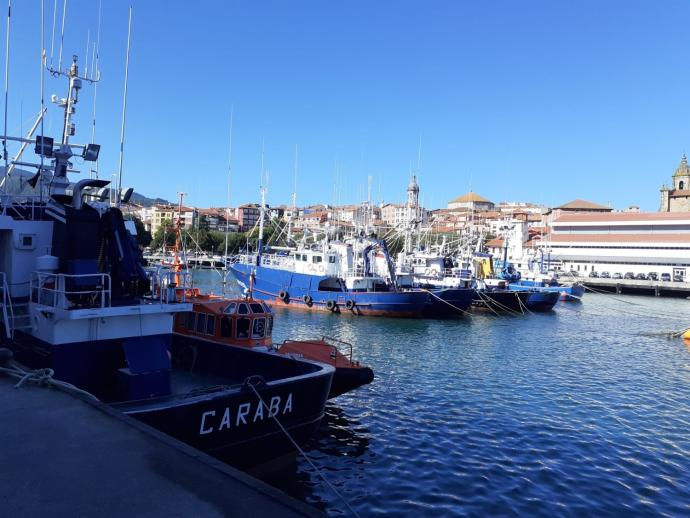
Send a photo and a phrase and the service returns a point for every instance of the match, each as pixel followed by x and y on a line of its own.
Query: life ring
pixel 308 300
pixel 284 296
pixel 433 272
pixel 331 305
pixel 350 304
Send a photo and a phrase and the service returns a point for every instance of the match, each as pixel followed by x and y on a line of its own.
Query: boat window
pixel 225 327
pixel 259 329
pixel 316 259
pixel 191 318
pixel 242 309
pixel 267 308
pixel 269 325
pixel 331 259
pixel 181 320
pixel 256 307
pixel 243 327
pixel 200 322
pixel 210 325
pixel 230 308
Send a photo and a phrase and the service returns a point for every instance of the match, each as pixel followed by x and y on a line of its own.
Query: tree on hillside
pixel 164 234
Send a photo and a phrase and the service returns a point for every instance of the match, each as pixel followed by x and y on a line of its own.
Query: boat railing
pixel 336 344
pixel 22 206
pixel 168 285
pixel 71 291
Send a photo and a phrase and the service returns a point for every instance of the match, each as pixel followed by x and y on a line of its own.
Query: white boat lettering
pixel 243 414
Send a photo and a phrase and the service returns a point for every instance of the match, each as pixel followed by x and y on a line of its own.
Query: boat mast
pixel 294 200
pixel 262 209
pixel 124 108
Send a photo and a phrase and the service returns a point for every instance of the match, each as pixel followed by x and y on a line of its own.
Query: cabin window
pixel 316 259
pixel 210 325
pixel 256 307
pixel 269 325
pixel 181 320
pixel 230 308
pixel 242 309
pixel 331 259
pixel 191 319
pixel 243 327
pixel 267 308
pixel 259 329
pixel 200 322
pixel 225 327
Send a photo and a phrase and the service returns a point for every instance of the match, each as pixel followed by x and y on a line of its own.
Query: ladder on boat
pixel 14 316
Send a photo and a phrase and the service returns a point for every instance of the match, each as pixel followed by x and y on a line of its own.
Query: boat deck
pixel 63 456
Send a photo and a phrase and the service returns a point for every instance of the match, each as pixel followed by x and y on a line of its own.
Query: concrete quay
pixel 639 287
pixel 64 456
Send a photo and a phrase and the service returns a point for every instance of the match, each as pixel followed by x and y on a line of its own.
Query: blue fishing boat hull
pixel 568 292
pixel 542 299
pixel 300 292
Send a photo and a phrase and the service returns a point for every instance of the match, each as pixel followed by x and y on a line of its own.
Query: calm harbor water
pixel 584 410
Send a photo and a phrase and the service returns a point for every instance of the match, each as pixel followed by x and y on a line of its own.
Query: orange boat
pixel 246 322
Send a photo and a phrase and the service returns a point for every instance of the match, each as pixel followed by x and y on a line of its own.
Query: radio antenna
pixel 52 37
pixel 124 108
pixel 95 72
pixel 62 33
pixel 7 82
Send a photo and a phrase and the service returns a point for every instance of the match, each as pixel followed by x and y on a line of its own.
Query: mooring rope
pixel 41 377
pixel 446 302
pixel 304 454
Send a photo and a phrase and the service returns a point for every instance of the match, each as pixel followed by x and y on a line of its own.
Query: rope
pixel 41 377
pixel 446 302
pixel 503 307
pixel 287 434
pixel 522 304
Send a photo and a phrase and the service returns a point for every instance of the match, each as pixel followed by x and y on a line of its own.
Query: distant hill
pixel 140 199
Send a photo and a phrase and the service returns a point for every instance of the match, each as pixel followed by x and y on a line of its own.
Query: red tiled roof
pixel 582 205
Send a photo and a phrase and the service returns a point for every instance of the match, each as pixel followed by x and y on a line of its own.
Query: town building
pixel 677 197
pixel 578 207
pixel 471 201
pixel 171 213
pixel 621 242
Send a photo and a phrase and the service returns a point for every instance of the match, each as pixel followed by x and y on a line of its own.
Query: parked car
pixel 641 276
pixel 573 273
pixel 653 276
pixel 594 274
pixel 617 275
pixel 678 278
pixel 629 275
pixel 605 275
pixel 665 277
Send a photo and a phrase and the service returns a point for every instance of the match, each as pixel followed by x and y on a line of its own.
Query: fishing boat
pixel 246 322
pixel 337 277
pixel 77 301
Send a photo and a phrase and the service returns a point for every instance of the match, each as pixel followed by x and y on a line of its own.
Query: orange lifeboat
pixel 249 323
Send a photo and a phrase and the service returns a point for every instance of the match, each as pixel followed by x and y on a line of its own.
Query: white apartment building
pixel 622 242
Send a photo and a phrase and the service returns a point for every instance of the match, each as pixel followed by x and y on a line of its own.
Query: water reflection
pixel 341 442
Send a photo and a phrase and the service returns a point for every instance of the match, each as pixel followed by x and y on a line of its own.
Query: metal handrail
pixel 54 286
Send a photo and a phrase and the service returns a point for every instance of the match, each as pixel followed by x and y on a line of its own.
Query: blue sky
pixel 540 101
